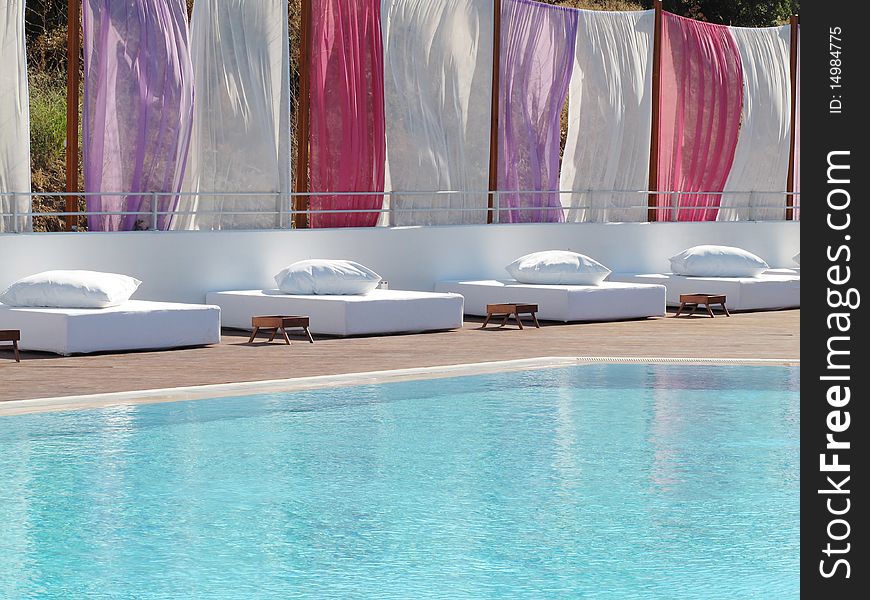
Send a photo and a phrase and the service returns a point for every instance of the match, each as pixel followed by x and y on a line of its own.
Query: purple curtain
pixel 537 55
pixel 138 98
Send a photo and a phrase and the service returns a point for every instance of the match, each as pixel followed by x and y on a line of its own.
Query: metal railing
pixel 398 208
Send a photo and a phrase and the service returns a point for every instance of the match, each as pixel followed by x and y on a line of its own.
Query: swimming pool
pixel 598 481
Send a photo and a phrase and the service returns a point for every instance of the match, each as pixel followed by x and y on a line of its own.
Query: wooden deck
pixel 772 335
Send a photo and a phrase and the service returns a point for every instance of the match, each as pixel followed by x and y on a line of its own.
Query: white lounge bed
pixel 604 302
pixel 134 325
pixel 765 292
pixel 379 312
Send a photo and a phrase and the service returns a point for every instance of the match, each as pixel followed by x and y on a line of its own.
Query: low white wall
pixel 183 266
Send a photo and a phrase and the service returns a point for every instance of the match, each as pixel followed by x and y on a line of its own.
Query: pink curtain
pixel 537 56
pixel 701 106
pixel 347 111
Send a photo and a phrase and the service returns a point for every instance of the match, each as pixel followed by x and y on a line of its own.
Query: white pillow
pixel 717 261
pixel 797 258
pixel 327 277
pixel 70 289
pixel 557 267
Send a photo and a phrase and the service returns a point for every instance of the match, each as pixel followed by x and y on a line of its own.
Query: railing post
pixel 790 184
pixel 652 202
pixel 495 107
pixel 388 216
pixel 496 214
pixel 72 112
pixel 302 203
pixel 14 202
pixel 154 220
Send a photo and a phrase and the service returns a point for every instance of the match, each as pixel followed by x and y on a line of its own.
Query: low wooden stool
pixel 695 300
pixel 280 323
pixel 511 308
pixel 14 336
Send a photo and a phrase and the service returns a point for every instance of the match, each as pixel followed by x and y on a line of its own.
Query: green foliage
pixel 47 132
pixel 741 13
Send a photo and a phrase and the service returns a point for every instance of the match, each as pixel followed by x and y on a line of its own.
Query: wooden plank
pixel 790 185
pixel 495 107
pixel 72 112
pixel 652 214
pixel 303 121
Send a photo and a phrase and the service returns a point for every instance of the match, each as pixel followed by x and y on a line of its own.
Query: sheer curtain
pixel 239 160
pixel 762 156
pixel 701 103
pixel 609 117
pixel 347 111
pixel 138 93
pixel 14 119
pixel 438 96
pixel 537 54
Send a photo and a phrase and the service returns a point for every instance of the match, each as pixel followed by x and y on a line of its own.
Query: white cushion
pixel 380 312
pixel 717 261
pixel 607 301
pixel 134 325
pixel 797 258
pixel 327 277
pixel 70 289
pixel 557 267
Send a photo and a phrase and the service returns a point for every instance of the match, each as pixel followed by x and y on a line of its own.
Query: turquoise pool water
pixel 611 481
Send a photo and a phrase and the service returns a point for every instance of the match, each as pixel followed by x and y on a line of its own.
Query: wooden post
pixel 72 112
pixel 303 203
pixel 790 184
pixel 495 107
pixel 652 202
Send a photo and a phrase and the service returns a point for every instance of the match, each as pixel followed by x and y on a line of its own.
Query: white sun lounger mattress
pixel 765 292
pixel 134 325
pixel 379 312
pixel 605 302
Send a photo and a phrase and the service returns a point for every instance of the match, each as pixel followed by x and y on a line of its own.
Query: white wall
pixel 183 266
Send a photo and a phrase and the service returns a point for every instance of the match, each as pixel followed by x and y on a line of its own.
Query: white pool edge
pixel 204 392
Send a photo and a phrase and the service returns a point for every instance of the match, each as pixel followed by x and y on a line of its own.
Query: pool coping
pixel 206 392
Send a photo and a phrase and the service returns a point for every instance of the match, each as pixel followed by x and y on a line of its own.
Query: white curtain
pixel 609 117
pixel 241 128
pixel 14 119
pixel 762 155
pixel 437 94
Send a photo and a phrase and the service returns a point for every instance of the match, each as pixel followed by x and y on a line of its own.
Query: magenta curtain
pixel 701 106
pixel 138 99
pixel 537 56
pixel 347 111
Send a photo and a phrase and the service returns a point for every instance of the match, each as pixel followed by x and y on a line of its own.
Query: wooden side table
pixel 277 323
pixel 511 308
pixel 14 336
pixel 695 300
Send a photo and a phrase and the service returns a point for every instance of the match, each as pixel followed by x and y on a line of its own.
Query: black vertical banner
pixel 835 176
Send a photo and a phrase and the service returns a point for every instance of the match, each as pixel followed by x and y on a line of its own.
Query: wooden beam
pixel 303 121
pixel 652 201
pixel 495 107
pixel 73 29
pixel 790 184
